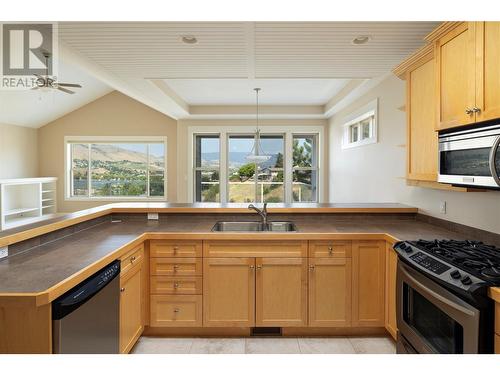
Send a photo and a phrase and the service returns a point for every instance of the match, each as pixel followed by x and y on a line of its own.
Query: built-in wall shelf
pixel 25 200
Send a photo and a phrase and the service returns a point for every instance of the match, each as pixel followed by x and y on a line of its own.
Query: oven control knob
pixel 455 274
pixel 466 280
pixel 407 248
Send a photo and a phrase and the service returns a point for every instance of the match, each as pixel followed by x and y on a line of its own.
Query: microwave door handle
pixel 493 156
pixel 437 296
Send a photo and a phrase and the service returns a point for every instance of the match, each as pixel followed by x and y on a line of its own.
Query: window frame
pixel 263 134
pixel 68 182
pixel 355 120
pixel 315 162
pixel 287 130
pixel 201 169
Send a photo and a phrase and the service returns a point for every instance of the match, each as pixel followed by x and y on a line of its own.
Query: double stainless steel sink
pixel 254 226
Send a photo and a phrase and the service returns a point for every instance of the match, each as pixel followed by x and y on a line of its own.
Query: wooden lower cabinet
pixel 131 319
pixel 368 283
pixel 281 292
pixel 228 292
pixel 329 292
pixel 175 311
pixel 391 263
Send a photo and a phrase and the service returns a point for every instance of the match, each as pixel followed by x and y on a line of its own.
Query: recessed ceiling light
pixel 361 39
pixel 189 39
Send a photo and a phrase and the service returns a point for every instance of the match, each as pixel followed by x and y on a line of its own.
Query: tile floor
pixel 258 345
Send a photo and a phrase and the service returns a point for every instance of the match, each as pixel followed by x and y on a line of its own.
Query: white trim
pixel 366 111
pixel 224 131
pixel 68 140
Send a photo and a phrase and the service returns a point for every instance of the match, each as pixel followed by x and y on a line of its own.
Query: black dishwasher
pixel 85 320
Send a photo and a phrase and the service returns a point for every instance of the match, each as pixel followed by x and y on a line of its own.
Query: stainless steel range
pixel 442 302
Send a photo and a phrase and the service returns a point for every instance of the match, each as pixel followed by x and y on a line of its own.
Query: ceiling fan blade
pixel 70 85
pixel 65 90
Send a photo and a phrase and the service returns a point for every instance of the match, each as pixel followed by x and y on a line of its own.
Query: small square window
pixel 362 129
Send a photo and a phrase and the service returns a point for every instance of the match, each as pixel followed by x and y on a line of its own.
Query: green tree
pixel 246 171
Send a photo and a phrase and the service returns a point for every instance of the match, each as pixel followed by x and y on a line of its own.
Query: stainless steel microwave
pixel 470 157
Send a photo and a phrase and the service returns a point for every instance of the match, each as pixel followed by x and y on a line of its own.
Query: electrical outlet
pixel 4 252
pixel 153 216
pixel 442 207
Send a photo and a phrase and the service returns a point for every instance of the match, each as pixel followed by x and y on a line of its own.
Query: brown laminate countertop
pixel 55 263
pixel 55 222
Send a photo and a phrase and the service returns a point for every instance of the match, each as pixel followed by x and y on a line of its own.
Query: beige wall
pixel 182 140
pixel 375 173
pixel 112 114
pixel 18 152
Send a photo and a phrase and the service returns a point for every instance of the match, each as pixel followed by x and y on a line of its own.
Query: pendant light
pixel 257 155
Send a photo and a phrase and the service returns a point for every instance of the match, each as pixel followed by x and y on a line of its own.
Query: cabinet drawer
pixel 171 248
pixel 130 259
pixel 176 285
pixel 264 249
pixel 330 249
pixel 176 266
pixel 176 311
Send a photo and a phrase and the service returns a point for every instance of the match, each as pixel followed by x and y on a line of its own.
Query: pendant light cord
pixel 257 141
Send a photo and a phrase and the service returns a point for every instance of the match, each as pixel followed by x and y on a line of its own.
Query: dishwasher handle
pixel 77 296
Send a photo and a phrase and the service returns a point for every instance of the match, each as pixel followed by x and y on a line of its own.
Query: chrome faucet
pixel 262 213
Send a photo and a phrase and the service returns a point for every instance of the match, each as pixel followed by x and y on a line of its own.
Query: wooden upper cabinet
pixel 329 292
pixel 228 292
pixel 368 283
pixel 131 302
pixel 487 70
pixel 281 292
pixel 455 72
pixel 422 138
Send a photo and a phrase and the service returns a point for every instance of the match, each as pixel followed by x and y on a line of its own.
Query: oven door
pixel 470 161
pixel 432 319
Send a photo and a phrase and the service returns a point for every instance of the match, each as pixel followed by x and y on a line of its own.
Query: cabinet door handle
pixel 259 267
pixel 476 109
pixel 252 267
pixel 311 267
pixel 132 259
pixel 469 111
pixel 122 290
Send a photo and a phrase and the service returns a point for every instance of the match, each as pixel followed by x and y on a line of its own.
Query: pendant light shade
pixel 257 155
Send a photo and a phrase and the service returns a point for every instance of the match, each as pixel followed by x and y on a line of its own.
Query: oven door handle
pixel 493 155
pixel 437 296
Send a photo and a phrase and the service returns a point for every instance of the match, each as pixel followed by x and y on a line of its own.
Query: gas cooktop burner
pixel 475 257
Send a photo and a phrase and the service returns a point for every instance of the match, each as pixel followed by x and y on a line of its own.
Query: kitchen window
pixel 221 172
pixel 360 128
pixel 123 168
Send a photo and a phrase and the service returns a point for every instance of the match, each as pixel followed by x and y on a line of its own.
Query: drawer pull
pixel 122 290
pixel 132 259
pixel 176 248
pixel 176 267
pixel 330 249
pixel 311 267
pixel 176 285
pixel 176 310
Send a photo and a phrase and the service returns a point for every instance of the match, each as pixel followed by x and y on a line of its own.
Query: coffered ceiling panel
pixel 155 49
pixel 325 49
pixel 245 49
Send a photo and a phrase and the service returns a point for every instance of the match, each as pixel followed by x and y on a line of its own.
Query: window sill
pixel 116 199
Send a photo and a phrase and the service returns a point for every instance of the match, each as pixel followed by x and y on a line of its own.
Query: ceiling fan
pixel 46 82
